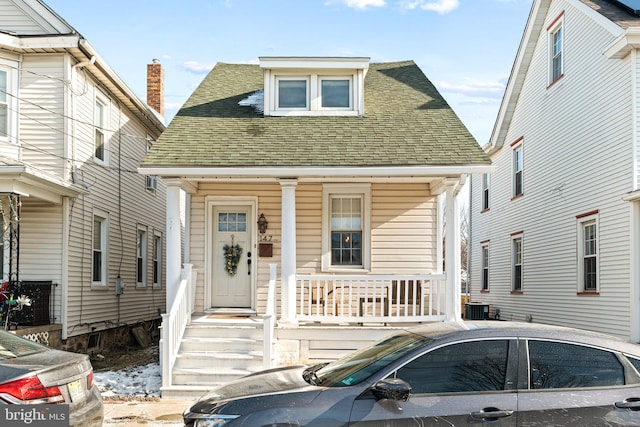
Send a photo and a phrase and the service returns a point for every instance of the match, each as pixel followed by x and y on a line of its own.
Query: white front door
pixel 231 285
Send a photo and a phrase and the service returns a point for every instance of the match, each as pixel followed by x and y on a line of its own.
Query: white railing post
pixel 174 324
pixel 269 318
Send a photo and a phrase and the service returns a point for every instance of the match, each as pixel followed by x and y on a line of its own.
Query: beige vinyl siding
pixel 41 243
pixel 577 159
pixel 12 18
pixel 42 96
pixel 403 229
pixel 119 191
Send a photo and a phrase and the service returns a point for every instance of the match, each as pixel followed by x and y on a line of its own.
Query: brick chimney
pixel 155 86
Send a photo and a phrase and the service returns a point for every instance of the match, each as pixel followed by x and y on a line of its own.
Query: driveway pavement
pixel 156 412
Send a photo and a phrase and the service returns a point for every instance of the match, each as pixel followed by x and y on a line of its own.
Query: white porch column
pixel 288 274
pixel 173 259
pixel 452 254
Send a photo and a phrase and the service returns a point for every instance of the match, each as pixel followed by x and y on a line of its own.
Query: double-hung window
pixel 99 245
pixel 346 227
pixel 588 252
pixel 486 186
pixel 556 49
pixel 4 103
pixel 516 256
pixel 518 169
pixel 157 260
pixel 8 102
pixel 100 120
pixel 141 257
pixel 485 267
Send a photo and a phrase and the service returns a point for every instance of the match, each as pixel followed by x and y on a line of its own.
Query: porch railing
pixel 269 319
pixel 175 322
pixel 371 298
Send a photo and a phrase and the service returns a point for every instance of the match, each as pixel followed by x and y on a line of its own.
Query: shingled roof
pixel 406 123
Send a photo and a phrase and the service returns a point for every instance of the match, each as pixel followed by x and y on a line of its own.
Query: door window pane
pixel 457 368
pixel 232 221
pixel 561 365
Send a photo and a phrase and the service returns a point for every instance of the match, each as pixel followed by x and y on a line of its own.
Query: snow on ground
pixel 140 381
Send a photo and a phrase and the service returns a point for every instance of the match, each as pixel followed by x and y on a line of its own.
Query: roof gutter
pixel 88 50
pixel 314 172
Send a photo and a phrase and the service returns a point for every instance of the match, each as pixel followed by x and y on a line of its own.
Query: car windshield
pixel 12 346
pixel 360 365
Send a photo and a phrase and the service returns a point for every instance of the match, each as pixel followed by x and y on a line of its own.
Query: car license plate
pixel 75 390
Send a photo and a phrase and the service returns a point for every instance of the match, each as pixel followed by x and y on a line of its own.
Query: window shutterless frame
pixel 99 245
pixel 516 263
pixel 588 252
pixel 292 93
pixel 555 35
pixel 335 92
pixel 485 267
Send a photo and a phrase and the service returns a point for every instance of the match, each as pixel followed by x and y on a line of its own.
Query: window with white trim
pixel 8 101
pixel 485 267
pixel 556 49
pixel 518 170
pixel 486 186
pixel 516 257
pixel 4 103
pixel 141 257
pixel 157 260
pixel 99 250
pixel 346 212
pixel 100 120
pixel 314 92
pixel 292 93
pixel 588 253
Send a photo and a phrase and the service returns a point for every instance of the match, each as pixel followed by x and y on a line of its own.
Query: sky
pixel 465 47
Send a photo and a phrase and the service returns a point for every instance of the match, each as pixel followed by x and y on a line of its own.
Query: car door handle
pixel 632 403
pixel 491 414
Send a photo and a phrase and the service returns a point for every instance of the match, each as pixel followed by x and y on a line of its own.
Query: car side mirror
pixel 393 389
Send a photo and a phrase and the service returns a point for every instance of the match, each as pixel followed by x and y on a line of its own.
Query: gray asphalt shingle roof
pixel 406 123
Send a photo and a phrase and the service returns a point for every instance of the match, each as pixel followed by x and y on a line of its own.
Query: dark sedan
pixel 445 374
pixel 34 374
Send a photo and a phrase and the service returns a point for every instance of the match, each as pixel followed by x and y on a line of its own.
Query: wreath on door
pixel 232 254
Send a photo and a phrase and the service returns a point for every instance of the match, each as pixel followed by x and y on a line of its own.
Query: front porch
pixel 334 316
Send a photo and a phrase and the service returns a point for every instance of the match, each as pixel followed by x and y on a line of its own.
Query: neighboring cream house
pixel 80 227
pixel 556 228
pixel 330 172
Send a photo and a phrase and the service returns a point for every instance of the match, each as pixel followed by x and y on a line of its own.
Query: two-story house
pixel 556 228
pixel 81 231
pixel 316 188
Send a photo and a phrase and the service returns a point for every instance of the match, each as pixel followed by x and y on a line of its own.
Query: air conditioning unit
pixel 476 311
pixel 152 182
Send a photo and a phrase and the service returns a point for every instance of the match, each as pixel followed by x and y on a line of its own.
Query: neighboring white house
pixel 556 228
pixel 74 210
pixel 329 170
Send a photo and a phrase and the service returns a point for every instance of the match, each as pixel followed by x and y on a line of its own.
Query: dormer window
pixel 293 93
pixel 335 92
pixel 314 86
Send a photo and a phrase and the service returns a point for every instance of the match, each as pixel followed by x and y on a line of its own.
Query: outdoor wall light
pixel 262 224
